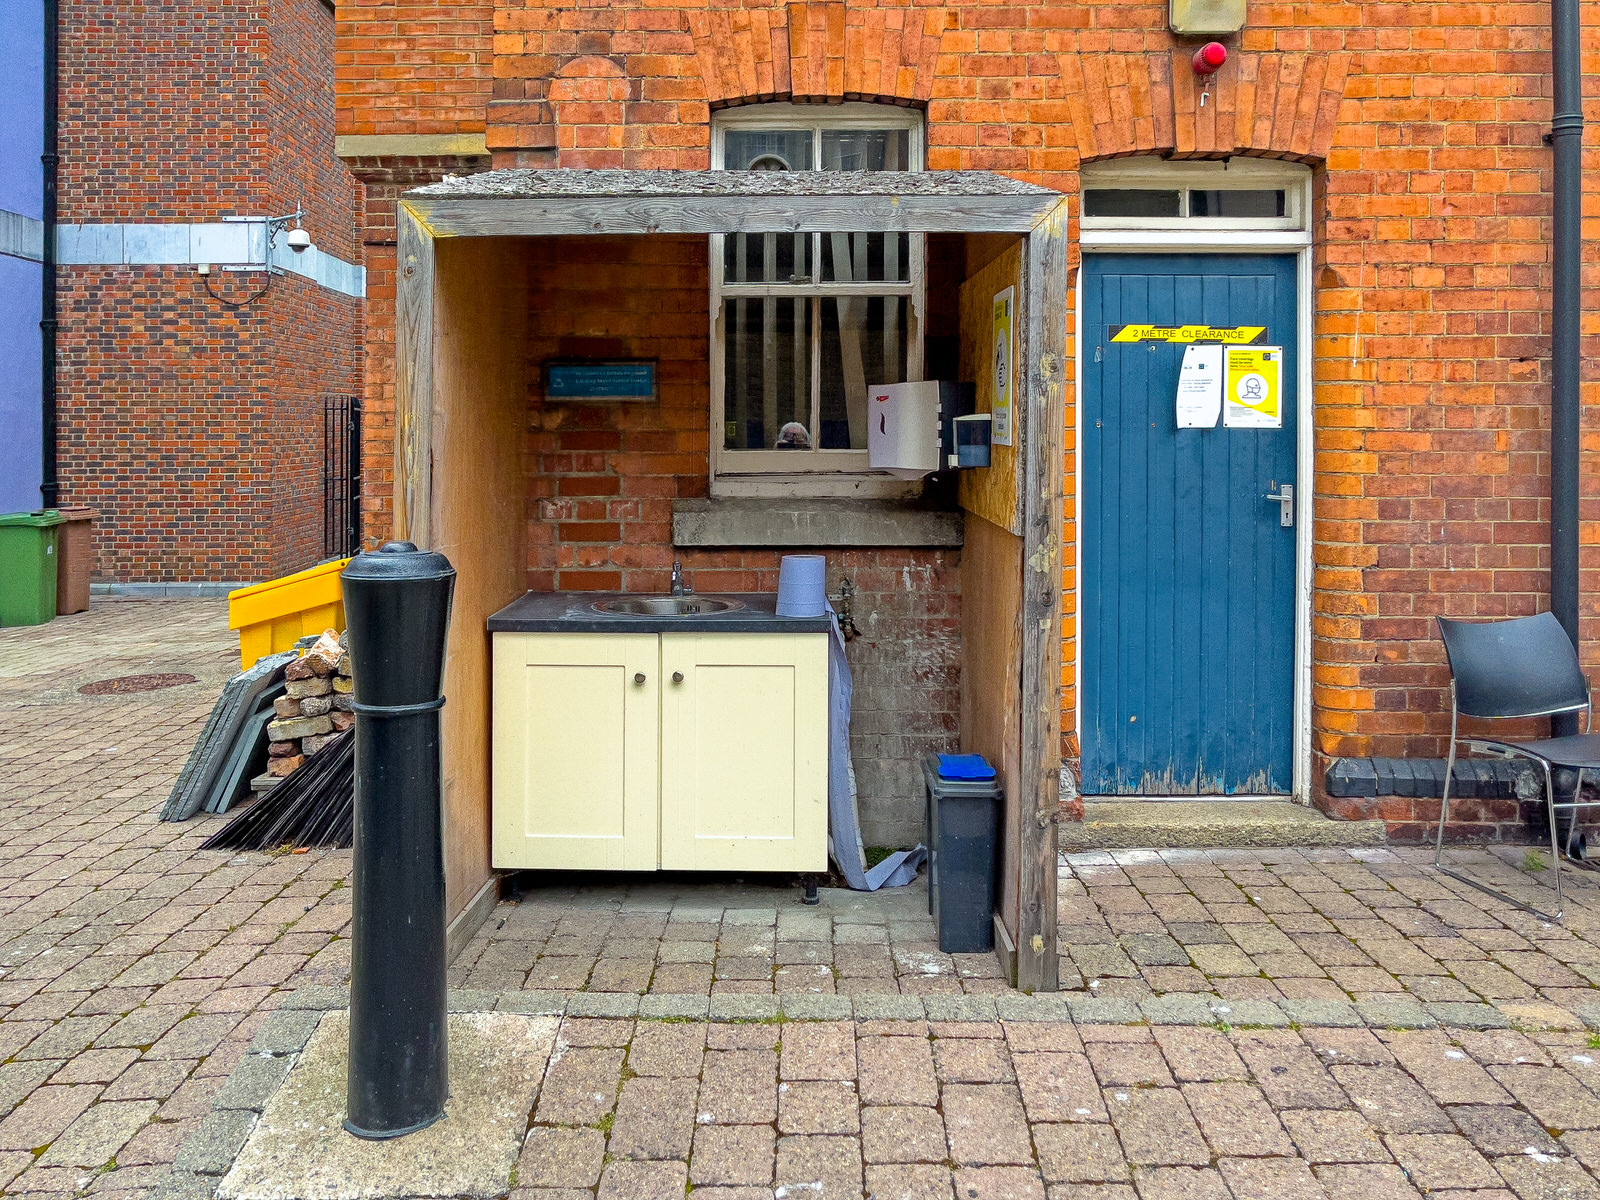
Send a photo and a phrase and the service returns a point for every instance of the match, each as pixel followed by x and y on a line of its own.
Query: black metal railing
pixel 341 476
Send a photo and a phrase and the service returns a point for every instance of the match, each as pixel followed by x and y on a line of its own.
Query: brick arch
pixel 586 103
pixel 533 118
pixel 816 50
pixel 1270 105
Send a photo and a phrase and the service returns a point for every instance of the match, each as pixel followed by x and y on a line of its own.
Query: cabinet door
pixel 576 728
pixel 744 752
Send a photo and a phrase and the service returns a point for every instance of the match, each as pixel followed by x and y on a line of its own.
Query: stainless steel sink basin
pixel 666 606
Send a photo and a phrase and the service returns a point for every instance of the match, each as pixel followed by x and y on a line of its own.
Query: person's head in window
pixel 793 436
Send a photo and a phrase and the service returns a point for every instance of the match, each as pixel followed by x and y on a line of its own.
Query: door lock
pixel 639 678
pixel 1284 497
pixel 677 677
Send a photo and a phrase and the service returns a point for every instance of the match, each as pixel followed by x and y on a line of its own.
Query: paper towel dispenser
pixel 909 425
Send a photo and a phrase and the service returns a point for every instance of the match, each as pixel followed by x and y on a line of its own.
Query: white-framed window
pixel 802 324
pixel 1232 194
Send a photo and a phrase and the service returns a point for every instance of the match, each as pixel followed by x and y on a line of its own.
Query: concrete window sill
pixel 812 523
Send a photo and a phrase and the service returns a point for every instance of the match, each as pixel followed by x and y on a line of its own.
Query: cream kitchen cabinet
pixel 677 751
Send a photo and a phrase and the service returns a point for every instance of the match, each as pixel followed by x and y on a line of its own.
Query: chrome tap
pixel 679 588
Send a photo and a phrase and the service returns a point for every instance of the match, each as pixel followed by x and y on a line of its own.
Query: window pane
pixel 866 149
pixel 859 257
pixel 1129 202
pixel 767 258
pixel 768 374
pixel 863 343
pixel 767 150
pixel 1236 204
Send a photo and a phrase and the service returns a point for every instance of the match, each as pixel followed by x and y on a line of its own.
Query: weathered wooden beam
pixel 413 377
pixel 517 216
pixel 1044 319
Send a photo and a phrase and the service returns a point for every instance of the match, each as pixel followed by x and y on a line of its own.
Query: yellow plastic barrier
pixel 272 616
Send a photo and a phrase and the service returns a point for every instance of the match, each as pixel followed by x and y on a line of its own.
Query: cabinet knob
pixel 677 677
pixel 639 678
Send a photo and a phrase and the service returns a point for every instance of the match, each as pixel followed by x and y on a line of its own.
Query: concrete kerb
pixel 211 1150
pixel 297 1014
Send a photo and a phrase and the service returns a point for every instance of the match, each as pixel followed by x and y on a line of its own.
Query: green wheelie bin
pixel 28 567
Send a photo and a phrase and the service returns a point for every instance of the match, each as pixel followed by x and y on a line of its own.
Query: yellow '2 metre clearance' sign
pixel 1238 335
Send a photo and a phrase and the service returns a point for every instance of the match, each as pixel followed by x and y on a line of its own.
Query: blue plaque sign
pixel 591 381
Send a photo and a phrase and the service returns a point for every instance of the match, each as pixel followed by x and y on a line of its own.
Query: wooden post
pixel 1044 319
pixel 413 378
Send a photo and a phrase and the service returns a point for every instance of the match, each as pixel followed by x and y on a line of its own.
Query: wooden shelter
pixel 458 466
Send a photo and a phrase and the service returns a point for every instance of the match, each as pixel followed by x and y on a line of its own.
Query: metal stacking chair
pixel 1525 667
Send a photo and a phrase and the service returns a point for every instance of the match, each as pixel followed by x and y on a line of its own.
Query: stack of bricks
pixel 315 708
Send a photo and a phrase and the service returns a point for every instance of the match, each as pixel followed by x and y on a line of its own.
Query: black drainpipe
pixel 50 486
pixel 1566 136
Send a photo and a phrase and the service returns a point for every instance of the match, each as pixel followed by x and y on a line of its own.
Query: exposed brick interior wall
pixel 193 428
pixel 601 480
pixel 1423 122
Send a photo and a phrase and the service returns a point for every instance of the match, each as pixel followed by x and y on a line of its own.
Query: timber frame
pixel 518 204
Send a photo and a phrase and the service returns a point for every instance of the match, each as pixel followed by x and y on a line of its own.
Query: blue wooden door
pixel 1188 602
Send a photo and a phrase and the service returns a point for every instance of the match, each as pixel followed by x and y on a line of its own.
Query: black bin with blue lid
pixel 963 817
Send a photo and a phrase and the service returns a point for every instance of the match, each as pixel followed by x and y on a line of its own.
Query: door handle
pixel 1284 498
pixel 639 678
pixel 677 677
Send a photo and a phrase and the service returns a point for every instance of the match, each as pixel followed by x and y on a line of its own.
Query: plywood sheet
pixel 993 493
pixel 991 681
pixel 475 514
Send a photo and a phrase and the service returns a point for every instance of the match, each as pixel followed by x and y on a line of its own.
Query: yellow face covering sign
pixel 1252 392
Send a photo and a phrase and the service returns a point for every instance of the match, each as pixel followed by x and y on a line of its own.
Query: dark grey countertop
pixel 574 612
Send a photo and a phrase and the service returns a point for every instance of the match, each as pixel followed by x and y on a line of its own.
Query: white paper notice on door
pixel 1200 387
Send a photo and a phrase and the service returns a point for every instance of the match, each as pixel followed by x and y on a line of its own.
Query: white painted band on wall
pixel 20 236
pixel 230 244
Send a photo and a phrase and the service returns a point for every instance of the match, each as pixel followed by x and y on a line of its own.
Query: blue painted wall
pixel 21 142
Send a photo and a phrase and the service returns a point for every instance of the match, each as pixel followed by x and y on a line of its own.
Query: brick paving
pixel 1269 1023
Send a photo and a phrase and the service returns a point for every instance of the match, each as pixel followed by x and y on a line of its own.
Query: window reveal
pixel 805 322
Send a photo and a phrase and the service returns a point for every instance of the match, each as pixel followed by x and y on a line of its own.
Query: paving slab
pixel 299 1150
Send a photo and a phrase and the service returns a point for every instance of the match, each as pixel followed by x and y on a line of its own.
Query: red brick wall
pixel 315 353
pixel 382 181
pixel 161 421
pixel 1423 121
pixel 160 110
pixel 301 167
pixel 195 429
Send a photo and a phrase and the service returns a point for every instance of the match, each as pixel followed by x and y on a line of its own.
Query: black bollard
pixel 397 603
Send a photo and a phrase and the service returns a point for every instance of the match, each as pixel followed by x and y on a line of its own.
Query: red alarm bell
pixel 1209 58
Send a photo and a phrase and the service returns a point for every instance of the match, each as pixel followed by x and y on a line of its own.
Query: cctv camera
pixel 299 240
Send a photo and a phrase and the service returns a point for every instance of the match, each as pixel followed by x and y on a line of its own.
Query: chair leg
pixel 1572 828
pixel 1555 837
pixel 1444 799
pixel 1555 851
